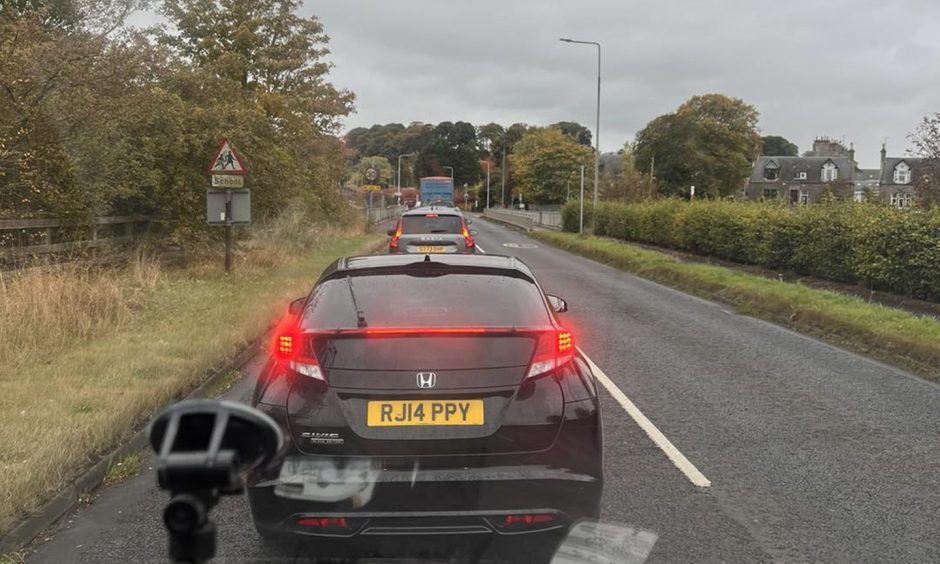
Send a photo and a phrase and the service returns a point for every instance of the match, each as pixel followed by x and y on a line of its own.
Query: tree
pixel 267 48
pixel 926 173
pixel 777 146
pixel 490 135
pixel 574 130
pixel 710 142
pixel 631 184
pixel 543 161
pixel 451 145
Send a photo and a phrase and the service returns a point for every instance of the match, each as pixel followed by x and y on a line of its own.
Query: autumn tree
pixel 575 130
pixel 777 146
pixel 926 173
pixel 709 142
pixel 542 163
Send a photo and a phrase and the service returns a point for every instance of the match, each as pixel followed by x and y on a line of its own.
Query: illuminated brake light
pixel 393 244
pixel 554 350
pixel 431 215
pixel 284 347
pixel 467 238
pixel 324 522
pixel 287 348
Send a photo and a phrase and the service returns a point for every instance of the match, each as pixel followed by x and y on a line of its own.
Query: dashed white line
pixel 658 438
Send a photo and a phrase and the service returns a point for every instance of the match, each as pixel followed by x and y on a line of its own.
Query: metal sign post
pixel 231 206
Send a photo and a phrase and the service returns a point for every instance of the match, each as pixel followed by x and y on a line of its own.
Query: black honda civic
pixel 434 405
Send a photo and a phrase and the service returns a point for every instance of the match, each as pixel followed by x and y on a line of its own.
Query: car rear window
pixel 403 300
pixel 433 223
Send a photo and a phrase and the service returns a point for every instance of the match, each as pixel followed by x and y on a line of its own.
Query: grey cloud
pixel 859 69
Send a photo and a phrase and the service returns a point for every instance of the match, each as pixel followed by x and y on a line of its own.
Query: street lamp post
pixel 451 170
pixel 398 182
pixel 597 124
pixel 487 184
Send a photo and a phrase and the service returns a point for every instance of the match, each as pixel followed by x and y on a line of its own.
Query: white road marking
pixel 658 438
pixel 479 248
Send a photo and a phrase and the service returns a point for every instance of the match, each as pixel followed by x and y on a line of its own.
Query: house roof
pixel 887 169
pixel 790 167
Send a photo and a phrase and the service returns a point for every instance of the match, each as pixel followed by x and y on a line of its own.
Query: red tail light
pixel 324 522
pixel 527 520
pixel 467 238
pixel 393 244
pixel 289 348
pixel 554 350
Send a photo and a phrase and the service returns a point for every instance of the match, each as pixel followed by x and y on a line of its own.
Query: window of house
pixel 799 176
pixel 804 196
pixel 830 172
pixel 771 173
pixel 902 174
pixel 902 200
pixel 859 196
pixel 770 193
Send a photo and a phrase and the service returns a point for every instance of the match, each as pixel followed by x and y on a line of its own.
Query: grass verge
pixel 892 335
pixel 73 399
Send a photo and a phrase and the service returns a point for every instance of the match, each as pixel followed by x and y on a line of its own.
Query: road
pixel 810 453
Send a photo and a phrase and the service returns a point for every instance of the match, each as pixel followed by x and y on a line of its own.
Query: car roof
pixel 395 262
pixel 439 210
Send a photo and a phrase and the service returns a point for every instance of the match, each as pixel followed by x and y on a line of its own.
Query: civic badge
pixel 426 379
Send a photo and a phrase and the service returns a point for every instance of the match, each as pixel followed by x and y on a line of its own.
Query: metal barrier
pixel 527 219
pixel 30 237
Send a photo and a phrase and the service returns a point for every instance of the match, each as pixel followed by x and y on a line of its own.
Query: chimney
pixel 852 152
pixel 884 154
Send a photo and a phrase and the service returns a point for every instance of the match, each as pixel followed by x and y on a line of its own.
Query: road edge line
pixel 659 439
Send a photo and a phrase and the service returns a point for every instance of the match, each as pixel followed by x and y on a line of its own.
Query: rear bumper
pixel 433 507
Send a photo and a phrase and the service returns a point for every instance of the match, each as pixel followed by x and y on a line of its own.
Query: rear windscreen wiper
pixel 360 316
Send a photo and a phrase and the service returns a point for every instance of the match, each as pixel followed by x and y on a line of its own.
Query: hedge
pixel 881 247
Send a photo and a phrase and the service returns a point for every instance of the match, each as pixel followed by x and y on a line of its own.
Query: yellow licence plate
pixel 411 413
pixel 429 249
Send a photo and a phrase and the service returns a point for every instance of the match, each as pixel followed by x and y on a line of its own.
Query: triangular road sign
pixel 227 160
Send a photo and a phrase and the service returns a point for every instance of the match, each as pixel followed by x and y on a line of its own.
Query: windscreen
pixel 403 300
pixel 432 223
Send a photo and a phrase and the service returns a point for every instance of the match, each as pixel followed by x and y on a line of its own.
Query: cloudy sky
pixel 858 70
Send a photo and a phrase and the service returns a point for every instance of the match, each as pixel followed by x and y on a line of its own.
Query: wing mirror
pixel 296 306
pixel 390 232
pixel 558 304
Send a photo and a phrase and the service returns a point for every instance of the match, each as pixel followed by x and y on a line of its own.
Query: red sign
pixel 227 161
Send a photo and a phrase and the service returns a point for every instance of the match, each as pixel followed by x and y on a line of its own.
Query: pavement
pixel 729 438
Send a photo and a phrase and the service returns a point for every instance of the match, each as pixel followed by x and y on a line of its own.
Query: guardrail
pixel 527 219
pixel 21 238
pixel 376 215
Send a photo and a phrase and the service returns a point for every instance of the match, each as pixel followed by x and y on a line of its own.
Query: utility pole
pixel 488 183
pixel 581 224
pixel 597 124
pixel 503 201
pixel 652 170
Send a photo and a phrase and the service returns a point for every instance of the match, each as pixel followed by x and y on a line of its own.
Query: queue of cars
pixel 433 403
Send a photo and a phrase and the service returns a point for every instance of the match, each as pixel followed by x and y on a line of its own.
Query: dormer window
pixel 771 171
pixel 799 175
pixel 902 173
pixel 830 172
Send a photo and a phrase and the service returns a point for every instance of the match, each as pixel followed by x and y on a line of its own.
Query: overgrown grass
pixel 890 334
pixel 124 469
pixel 85 356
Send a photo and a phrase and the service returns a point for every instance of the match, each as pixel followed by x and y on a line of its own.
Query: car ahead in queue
pixel 432 230
pixel 432 404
